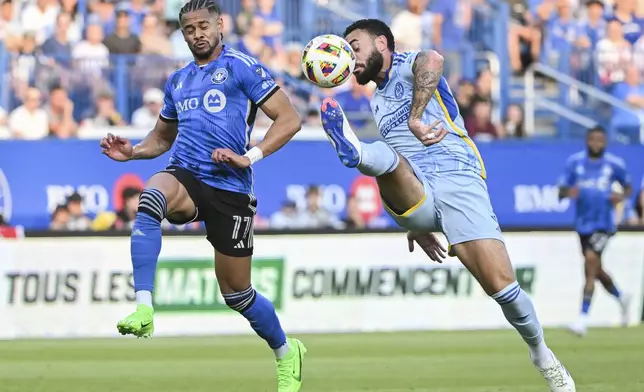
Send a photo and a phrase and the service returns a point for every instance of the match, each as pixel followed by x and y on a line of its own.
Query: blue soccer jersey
pixel 595 179
pixel 215 106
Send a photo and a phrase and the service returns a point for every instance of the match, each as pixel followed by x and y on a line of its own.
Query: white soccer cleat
pixel 624 304
pixel 579 328
pixel 557 377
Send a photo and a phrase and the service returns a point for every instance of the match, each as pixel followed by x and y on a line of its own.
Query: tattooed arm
pixel 427 70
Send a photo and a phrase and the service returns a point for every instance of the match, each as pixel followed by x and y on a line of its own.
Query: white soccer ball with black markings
pixel 328 61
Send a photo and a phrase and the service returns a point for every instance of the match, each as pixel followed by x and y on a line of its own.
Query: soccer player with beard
pixel 208 115
pixel 588 179
pixel 433 180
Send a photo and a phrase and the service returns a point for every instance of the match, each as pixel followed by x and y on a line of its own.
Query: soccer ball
pixel 328 61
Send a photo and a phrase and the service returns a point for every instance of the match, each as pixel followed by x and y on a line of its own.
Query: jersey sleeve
pixel 569 177
pixel 405 64
pixel 256 82
pixel 169 110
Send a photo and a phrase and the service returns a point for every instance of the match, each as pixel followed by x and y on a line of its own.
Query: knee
pixel 240 300
pixel 508 294
pixel 502 281
pixel 152 203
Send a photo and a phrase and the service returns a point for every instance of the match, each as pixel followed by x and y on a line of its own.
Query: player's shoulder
pixel 173 79
pixel 239 59
pixel 402 58
pixel 614 160
pixel 576 157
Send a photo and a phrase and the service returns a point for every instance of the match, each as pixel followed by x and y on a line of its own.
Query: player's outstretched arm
pixel 427 70
pixel 155 143
pixel 158 141
pixel 286 123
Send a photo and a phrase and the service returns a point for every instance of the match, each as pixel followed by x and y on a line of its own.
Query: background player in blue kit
pixel 590 178
pixel 208 115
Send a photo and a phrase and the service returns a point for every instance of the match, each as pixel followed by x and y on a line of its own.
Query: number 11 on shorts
pixel 247 233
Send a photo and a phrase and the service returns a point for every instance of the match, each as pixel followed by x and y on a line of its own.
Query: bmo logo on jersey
pixel 214 101
pixel 187 104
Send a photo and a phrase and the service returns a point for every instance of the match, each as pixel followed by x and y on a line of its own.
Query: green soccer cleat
pixel 289 368
pixel 139 323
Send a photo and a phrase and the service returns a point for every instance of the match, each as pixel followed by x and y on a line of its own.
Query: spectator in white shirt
pixel 638 54
pixel 147 115
pixel 42 17
pixel 29 121
pixel 91 55
pixel 286 218
pixel 77 221
pixel 412 26
pixel 314 215
pixel 613 54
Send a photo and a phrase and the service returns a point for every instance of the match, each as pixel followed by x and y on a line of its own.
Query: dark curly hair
pixel 375 27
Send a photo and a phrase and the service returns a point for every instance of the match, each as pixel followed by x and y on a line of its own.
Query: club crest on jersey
pixel 219 76
pixel 399 90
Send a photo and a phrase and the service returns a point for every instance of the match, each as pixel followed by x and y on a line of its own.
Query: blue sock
pixel 377 158
pixel 145 242
pixel 260 312
pixel 585 303
pixel 614 291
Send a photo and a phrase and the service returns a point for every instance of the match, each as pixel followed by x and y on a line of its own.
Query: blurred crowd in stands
pixel 70 215
pixel 65 66
pixel 66 63
pixel 310 216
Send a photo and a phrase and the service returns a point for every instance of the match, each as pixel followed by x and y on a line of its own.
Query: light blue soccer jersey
pixel 215 106
pixel 594 177
pixel 391 106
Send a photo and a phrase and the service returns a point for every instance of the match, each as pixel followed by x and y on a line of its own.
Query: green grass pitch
pixel 608 360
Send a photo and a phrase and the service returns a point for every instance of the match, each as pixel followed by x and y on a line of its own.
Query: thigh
pixel 489 263
pixel 402 189
pixel 595 242
pixel 233 273
pixel 463 207
pixel 180 206
pixel 229 218
pixel 421 216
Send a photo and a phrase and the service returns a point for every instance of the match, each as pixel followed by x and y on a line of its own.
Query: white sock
pixel 144 297
pixel 281 352
pixel 583 319
pixel 377 158
pixel 541 355
pixel 519 311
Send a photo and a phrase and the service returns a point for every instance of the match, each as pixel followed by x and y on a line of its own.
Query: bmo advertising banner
pixel 522 177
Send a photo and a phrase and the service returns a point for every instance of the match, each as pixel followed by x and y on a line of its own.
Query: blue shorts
pixel 456 203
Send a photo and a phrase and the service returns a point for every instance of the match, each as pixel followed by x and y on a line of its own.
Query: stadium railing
pixel 580 106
